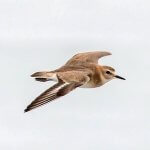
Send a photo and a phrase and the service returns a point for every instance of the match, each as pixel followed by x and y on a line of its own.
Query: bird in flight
pixel 82 70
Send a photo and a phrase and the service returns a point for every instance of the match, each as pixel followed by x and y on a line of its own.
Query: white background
pixel 41 35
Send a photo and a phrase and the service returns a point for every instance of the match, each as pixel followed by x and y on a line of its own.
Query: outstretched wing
pixel 88 57
pixel 56 91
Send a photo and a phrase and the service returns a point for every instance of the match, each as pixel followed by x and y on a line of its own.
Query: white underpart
pixel 105 80
pixel 87 84
pixel 54 77
pixel 53 92
pixel 90 85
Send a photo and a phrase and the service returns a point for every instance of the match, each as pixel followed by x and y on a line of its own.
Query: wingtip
pixel 108 53
pixel 26 110
pixel 105 53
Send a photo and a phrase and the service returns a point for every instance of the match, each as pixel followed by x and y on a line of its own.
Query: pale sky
pixel 41 35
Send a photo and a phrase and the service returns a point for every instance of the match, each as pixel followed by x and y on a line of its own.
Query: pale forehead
pixel 109 68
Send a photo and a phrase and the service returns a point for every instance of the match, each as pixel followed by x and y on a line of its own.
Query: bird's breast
pixel 90 85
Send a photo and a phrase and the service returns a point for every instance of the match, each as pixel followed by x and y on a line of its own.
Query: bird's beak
pixel 120 77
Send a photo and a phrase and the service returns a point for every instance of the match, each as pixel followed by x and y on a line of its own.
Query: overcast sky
pixel 41 35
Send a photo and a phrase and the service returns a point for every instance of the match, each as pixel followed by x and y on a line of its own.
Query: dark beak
pixel 120 77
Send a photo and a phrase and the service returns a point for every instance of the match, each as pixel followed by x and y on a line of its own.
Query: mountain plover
pixel 82 70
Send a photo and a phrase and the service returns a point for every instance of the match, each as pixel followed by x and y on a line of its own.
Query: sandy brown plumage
pixel 88 57
pixel 82 70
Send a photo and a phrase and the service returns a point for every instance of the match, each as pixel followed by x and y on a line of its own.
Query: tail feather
pixel 44 76
pixel 42 79
pixel 39 74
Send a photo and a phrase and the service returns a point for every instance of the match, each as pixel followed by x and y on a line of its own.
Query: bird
pixel 81 71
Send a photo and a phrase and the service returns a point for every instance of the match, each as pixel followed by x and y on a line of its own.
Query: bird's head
pixel 109 74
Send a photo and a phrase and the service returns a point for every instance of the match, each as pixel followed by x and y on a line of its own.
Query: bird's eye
pixel 108 72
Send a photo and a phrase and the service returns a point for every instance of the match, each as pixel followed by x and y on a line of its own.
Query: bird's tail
pixel 44 76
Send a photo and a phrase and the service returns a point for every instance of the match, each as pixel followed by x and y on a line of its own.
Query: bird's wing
pixel 54 92
pixel 67 82
pixel 88 57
